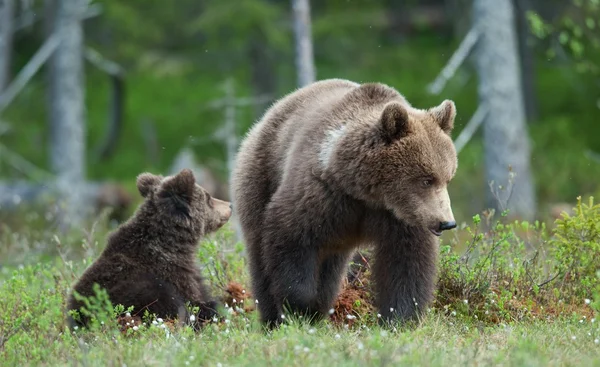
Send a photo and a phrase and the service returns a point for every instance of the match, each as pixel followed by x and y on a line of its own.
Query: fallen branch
pixel 36 62
pixel 469 130
pixel 455 62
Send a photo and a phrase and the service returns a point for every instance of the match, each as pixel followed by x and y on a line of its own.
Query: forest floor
pixel 38 267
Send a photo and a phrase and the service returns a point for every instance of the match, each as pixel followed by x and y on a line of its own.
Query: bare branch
pixel 29 70
pixel 102 63
pixel 240 102
pixel 455 62
pixel 23 165
pixel 115 123
pixel 469 130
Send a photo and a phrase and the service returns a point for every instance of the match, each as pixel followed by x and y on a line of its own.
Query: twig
pixel 36 62
pixel 548 281
pixel 469 130
pixel 457 59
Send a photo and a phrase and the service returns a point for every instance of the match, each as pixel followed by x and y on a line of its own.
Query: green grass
pixel 33 299
pixel 38 267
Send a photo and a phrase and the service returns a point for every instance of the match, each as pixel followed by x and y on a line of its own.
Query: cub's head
pixel 178 200
pixel 402 160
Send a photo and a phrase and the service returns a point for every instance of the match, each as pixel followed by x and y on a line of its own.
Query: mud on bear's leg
pixel 404 269
pixel 333 268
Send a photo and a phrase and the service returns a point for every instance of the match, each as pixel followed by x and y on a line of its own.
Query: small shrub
pixel 575 247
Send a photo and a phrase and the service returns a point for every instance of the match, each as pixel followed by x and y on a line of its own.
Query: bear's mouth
pixel 435 232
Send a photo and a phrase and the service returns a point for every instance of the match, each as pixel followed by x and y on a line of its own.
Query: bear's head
pixel 401 159
pixel 178 201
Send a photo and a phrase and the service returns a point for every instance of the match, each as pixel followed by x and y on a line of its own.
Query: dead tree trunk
pixel 305 63
pixel 6 36
pixel 67 116
pixel 505 134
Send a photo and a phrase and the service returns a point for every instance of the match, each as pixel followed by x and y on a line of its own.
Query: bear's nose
pixel 447 225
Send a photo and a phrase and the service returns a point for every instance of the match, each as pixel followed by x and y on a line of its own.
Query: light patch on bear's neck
pixel 329 143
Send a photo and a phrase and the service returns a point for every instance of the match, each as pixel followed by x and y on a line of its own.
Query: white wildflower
pixel 337 336
pixel 331 311
pixel 306 350
pixel 159 320
pixel 128 314
pixel 192 318
pixel 311 331
pixel 378 315
pixel 135 328
pixel 350 317
pixel 587 301
pixel 282 316
pixel 573 337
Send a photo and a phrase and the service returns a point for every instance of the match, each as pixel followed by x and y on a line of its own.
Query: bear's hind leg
pixel 146 291
pixel 261 289
pixel 293 270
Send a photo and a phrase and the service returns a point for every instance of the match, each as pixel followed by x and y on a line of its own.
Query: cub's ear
pixel 444 114
pixel 181 185
pixel 146 182
pixel 394 121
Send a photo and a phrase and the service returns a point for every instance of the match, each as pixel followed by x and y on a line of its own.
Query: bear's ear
pixel 394 121
pixel 146 182
pixel 181 185
pixel 444 114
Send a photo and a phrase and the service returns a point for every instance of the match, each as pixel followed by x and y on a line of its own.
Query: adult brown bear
pixel 335 165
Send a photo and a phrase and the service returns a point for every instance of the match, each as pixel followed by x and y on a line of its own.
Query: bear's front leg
pixel 404 269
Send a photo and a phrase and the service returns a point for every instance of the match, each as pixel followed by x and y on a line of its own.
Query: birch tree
pixel 6 36
pixel 304 48
pixel 67 116
pixel 505 135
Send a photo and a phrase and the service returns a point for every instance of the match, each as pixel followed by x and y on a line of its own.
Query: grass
pixel 549 325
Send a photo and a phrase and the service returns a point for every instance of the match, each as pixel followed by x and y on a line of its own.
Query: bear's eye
pixel 427 182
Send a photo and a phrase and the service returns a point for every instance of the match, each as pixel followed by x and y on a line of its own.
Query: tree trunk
pixel 304 47
pixel 66 97
pixel 7 9
pixel 527 59
pixel 505 133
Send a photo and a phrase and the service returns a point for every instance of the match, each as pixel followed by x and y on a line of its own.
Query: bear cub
pixel 149 261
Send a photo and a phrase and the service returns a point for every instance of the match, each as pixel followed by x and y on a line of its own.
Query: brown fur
pixel 149 261
pixel 330 167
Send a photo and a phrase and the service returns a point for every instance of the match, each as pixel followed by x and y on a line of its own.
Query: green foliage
pixel 575 247
pixel 576 31
pixel 498 276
